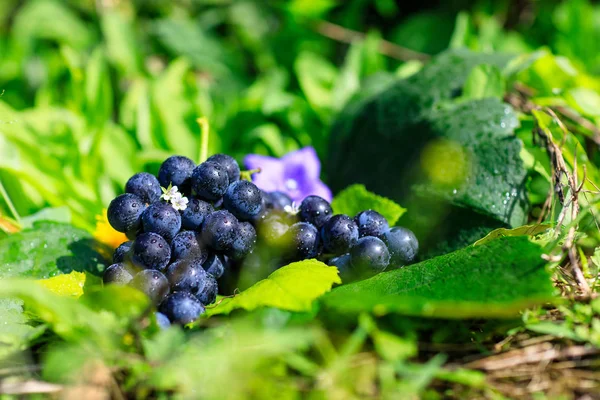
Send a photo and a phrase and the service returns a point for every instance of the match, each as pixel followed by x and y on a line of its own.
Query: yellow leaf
pixel 65 284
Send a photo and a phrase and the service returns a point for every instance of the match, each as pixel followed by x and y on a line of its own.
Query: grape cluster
pixel 192 227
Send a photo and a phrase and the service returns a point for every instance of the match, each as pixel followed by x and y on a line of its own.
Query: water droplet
pixel 454 191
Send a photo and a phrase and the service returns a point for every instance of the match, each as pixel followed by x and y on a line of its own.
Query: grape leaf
pixel 494 280
pixel 357 198
pixel 50 249
pixel 454 162
pixel 293 288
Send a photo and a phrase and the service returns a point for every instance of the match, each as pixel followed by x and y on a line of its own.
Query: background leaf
pixel 293 287
pixel 50 249
pixel 455 164
pixel 357 198
pixel 484 81
pixel 14 328
pixel 494 280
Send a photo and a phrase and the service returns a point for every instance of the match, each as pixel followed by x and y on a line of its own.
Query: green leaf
pixel 121 43
pixel 66 316
pixel 171 109
pixel 585 101
pixel 454 163
pixel 50 249
pixel 357 198
pixel 317 78
pixel 525 230
pixel 293 287
pixel 560 330
pixel 494 280
pixel 55 214
pixel 50 20
pixel 184 37
pixel 123 301
pixel 484 81
pixel 14 328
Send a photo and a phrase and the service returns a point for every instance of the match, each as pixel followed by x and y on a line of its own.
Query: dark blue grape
pixel 315 210
pixel 344 265
pixel 186 276
pixel 214 266
pixel 176 171
pixel 122 253
pixel 229 164
pixel 208 294
pixel 371 223
pixel 125 211
pixel 119 274
pixel 339 234
pixel 145 186
pixel 370 256
pixel 193 216
pixel 131 235
pixel 151 251
pixel 182 308
pixel 210 181
pixel 218 203
pixel 243 242
pixel 162 320
pixel 303 239
pixel 279 200
pixel 266 201
pixel 163 219
pixel 152 283
pixel 243 199
pixel 218 230
pixel 186 246
pixel 402 244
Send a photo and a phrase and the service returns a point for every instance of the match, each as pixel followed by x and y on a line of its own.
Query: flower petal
pixel 271 177
pixel 320 189
pixel 307 158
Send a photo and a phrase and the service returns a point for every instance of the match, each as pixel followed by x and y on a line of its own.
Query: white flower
pixel 169 193
pixel 293 209
pixel 179 202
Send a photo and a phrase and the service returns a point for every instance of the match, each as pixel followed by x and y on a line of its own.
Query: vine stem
pixel 204 137
pixel 10 204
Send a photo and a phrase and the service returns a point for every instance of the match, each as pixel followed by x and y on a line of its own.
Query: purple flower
pixel 296 174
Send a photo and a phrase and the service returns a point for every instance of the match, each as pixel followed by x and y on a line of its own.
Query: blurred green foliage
pixel 95 90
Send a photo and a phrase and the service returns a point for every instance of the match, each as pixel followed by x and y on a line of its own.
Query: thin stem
pixel 345 35
pixel 9 203
pixel 247 175
pixel 204 136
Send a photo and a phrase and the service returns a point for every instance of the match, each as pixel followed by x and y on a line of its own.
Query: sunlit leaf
pixel 494 280
pixel 293 287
